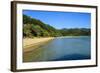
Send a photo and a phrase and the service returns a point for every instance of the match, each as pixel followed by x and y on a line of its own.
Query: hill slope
pixel 35 28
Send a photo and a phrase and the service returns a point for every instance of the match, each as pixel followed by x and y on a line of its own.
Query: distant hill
pixel 76 32
pixel 35 28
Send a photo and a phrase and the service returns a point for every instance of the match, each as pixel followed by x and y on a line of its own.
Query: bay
pixel 62 48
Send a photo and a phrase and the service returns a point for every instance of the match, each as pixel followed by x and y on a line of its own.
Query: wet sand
pixel 29 44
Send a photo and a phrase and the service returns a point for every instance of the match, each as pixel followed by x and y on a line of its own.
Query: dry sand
pixel 29 43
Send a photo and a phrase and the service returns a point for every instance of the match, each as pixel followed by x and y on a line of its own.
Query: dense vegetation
pixel 36 28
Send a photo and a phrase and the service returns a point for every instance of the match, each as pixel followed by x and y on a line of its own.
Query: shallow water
pixel 67 48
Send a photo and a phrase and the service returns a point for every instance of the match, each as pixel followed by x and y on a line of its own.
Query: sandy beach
pixel 29 43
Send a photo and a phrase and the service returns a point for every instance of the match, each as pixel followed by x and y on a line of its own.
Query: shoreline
pixel 70 36
pixel 30 44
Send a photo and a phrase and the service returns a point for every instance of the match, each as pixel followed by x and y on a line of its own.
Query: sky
pixel 61 20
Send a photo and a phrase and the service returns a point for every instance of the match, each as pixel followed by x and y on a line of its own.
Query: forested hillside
pixel 35 28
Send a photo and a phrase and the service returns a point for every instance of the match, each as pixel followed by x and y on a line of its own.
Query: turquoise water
pixel 67 48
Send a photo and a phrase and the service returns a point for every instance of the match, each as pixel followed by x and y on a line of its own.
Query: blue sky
pixel 61 20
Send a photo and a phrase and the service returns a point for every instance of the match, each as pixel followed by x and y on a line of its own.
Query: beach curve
pixel 31 43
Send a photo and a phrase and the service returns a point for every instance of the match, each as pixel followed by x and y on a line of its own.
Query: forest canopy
pixel 35 28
